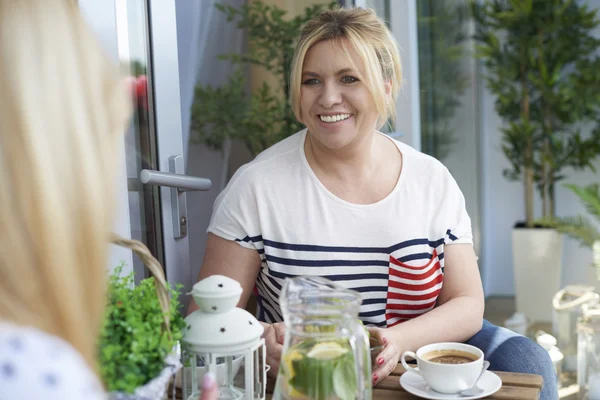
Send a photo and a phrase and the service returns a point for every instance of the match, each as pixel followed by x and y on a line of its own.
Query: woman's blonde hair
pixel 63 113
pixel 373 42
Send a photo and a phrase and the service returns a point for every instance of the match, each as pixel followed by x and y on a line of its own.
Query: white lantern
pixel 588 353
pixel 568 305
pixel 224 340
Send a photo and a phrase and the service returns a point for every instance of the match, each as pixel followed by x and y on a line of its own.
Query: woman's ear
pixel 388 90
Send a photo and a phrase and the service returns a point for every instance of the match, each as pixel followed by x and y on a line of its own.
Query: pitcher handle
pixel 360 350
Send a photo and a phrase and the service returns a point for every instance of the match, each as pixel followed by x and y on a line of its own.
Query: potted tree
pixel 265 117
pixel 541 64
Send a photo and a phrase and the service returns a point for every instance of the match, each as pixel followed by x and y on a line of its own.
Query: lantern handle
pixel 582 299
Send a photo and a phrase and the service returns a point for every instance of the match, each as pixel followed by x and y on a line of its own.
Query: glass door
pixel 437 109
pixel 142 36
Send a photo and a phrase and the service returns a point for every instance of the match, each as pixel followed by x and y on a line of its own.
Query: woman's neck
pixel 357 161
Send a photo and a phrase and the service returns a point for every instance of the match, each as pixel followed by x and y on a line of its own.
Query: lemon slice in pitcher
pixel 288 359
pixel 327 351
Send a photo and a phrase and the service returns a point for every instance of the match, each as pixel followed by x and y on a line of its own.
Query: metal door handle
pixel 177 181
pixel 179 184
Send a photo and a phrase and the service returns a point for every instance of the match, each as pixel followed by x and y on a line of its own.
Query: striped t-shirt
pixel 391 251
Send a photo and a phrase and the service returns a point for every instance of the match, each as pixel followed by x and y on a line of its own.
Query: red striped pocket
pixel 412 290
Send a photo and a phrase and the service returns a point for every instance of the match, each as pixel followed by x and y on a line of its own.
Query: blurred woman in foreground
pixel 63 113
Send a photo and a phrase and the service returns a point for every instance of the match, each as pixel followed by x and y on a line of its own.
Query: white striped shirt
pixel 391 251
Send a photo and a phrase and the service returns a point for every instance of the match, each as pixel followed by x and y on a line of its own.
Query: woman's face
pixel 336 106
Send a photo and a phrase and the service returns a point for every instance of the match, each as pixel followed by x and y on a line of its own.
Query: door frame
pixel 106 20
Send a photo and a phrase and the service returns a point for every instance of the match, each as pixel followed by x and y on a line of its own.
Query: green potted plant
pixel 541 64
pixel 265 117
pixel 141 329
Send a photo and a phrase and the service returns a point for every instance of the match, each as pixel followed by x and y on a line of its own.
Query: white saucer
pixel 414 384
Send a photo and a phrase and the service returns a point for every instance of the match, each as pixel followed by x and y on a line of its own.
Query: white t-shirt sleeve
pixel 36 365
pixel 459 223
pixel 235 214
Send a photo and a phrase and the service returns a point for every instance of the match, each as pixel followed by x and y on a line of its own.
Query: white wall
pixel 502 205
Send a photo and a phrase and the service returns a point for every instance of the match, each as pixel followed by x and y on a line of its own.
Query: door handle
pixel 180 184
pixel 177 181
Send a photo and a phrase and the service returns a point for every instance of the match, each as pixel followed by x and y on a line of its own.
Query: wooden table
pixel 514 387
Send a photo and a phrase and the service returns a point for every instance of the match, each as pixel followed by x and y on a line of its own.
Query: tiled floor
pixel 499 309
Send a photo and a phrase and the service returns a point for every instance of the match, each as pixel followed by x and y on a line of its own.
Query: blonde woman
pixel 63 112
pixel 340 199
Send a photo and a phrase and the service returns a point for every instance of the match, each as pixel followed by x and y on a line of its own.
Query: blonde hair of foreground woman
pixel 368 35
pixel 62 116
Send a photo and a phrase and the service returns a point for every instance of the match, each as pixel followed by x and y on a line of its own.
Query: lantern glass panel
pixel 588 358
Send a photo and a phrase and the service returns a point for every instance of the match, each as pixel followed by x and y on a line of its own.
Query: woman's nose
pixel 330 96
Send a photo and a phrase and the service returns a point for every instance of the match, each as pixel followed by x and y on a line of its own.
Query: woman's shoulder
pixel 421 164
pixel 276 158
pixel 36 365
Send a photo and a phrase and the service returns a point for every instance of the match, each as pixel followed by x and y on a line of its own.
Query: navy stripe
pixel 415 242
pixel 261 308
pixel 249 239
pixel 378 324
pixel 341 249
pixel 338 277
pixel 417 256
pixel 271 320
pixel 371 313
pixel 371 289
pixel 327 263
pixel 354 277
pixel 260 251
pixel 343 263
pixel 450 235
pixel 267 288
pixel 374 301
pixel 274 282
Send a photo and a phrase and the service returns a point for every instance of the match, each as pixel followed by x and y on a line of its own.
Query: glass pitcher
pixel 326 347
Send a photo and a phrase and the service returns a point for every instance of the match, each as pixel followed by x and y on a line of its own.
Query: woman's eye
pixel 311 81
pixel 349 79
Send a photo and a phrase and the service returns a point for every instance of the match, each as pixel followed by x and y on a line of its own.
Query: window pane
pixel 447 82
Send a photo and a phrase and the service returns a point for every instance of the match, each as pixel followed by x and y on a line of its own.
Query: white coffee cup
pixel 446 378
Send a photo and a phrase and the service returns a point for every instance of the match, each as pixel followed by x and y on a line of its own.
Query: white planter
pixel 537 259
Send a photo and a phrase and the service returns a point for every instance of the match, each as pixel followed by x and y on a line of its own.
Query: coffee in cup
pixel 450 356
pixel 447 368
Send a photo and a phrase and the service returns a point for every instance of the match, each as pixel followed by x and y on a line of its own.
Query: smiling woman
pixel 341 200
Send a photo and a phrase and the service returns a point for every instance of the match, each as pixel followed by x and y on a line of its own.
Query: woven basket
pixel 156 389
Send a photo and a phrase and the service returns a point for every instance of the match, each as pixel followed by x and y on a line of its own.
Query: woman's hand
pixel 274 335
pixel 387 359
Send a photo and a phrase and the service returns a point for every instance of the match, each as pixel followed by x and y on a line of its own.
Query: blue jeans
pixel 511 352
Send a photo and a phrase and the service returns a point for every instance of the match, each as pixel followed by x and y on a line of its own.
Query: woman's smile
pixel 335 120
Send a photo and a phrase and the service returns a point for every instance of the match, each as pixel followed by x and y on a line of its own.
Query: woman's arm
pixel 457 317
pixel 226 257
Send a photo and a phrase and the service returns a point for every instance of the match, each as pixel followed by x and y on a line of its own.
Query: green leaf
pixel 589 196
pixel 344 379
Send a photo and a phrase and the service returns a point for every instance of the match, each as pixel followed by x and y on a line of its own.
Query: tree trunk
pixel 551 203
pixel 528 183
pixel 528 156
